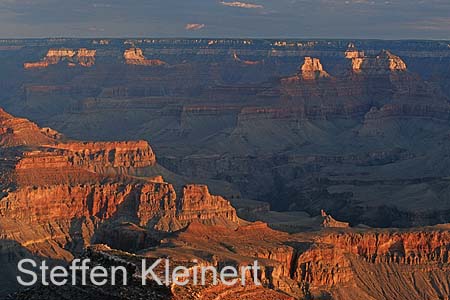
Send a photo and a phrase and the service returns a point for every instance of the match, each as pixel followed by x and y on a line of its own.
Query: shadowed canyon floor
pixel 331 159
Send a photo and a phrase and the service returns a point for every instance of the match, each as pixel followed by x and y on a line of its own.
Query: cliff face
pixel 78 161
pixel 82 57
pixel 135 56
pixel 359 264
pixel 154 204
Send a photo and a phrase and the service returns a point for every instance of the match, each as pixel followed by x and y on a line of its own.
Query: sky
pixel 365 19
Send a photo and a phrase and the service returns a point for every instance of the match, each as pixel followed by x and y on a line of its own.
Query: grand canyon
pixel 325 160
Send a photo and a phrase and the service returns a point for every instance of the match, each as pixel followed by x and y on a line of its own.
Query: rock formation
pixel 57 195
pixel 135 56
pixel 21 132
pixel 82 57
pixel 357 259
pixel 353 53
pixel 317 265
pixel 85 57
pixel 312 69
pixel 330 222
pixel 383 63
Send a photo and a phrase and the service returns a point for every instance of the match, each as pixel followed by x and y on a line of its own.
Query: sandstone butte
pixel 306 96
pixel 382 63
pixel 310 70
pixel 82 57
pixel 135 56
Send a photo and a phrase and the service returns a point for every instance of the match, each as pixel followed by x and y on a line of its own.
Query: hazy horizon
pixel 296 19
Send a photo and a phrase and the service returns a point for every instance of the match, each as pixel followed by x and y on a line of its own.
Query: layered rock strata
pixel 382 63
pixel 81 57
pixel 135 56
pixel 57 196
pixel 368 264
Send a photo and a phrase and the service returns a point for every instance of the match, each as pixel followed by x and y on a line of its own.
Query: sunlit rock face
pixel 81 57
pixel 352 52
pixel 312 69
pixel 135 56
pixel 58 196
pixel 384 62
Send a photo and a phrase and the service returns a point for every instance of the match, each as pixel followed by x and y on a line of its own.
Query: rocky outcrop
pixel 353 53
pixel 135 56
pixel 82 57
pixel 330 222
pixel 354 260
pixel 170 213
pixel 409 248
pixel 383 63
pixel 155 204
pixel 82 162
pixel 85 57
pixel 22 132
pixel 312 69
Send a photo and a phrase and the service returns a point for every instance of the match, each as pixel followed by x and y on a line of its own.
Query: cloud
pixel 434 24
pixel 400 19
pixel 241 4
pixel 194 26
